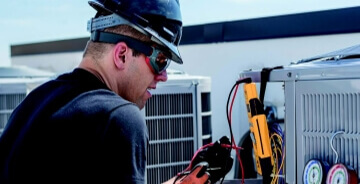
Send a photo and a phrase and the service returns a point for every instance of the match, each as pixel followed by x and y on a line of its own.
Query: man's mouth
pixel 149 89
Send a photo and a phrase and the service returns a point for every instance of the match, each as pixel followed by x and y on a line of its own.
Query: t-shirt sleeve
pixel 126 139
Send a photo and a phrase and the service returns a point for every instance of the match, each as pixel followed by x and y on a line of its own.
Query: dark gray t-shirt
pixel 74 129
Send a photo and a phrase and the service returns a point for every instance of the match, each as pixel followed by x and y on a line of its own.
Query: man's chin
pixel 141 105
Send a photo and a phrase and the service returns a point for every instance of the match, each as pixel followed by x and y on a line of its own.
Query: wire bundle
pixel 276 139
pixel 278 152
pixel 229 115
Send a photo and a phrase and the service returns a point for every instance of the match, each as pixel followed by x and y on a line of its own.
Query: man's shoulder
pixel 98 99
pixel 106 104
pixel 104 95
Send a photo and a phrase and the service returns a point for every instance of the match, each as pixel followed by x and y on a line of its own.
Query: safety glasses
pixel 157 59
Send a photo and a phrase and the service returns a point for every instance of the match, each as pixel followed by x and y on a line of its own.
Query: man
pixel 86 126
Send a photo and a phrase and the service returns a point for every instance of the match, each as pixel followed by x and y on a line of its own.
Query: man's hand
pixel 197 176
pixel 218 157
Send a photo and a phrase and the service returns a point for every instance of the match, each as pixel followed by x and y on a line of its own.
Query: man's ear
pixel 120 50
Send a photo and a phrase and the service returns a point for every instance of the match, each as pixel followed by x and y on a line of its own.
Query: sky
pixel 33 21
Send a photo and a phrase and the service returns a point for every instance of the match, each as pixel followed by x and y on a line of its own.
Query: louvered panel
pixel 170 119
pixel 178 118
pixel 170 128
pixel 8 102
pixel 171 104
pixel 324 114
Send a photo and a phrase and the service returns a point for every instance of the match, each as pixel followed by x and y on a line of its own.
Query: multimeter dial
pixel 313 172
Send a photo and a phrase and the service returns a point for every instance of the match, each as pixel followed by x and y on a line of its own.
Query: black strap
pixel 266 169
pixel 265 163
pixel 107 37
pixel 265 74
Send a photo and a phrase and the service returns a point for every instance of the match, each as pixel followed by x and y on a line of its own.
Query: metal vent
pixel 323 115
pixel 8 102
pixel 169 104
pixel 170 128
pixel 329 112
pixel 170 119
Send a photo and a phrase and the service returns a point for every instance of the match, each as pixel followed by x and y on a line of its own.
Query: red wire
pixel 233 140
pixel 205 146
pixel 232 147
pixel 222 145
pixel 232 103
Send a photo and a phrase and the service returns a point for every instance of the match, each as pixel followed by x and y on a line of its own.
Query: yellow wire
pixel 278 136
pixel 282 163
pixel 272 156
pixel 277 150
pixel 274 179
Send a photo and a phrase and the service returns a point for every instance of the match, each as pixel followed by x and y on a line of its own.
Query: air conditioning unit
pixel 178 117
pixel 322 98
pixel 15 83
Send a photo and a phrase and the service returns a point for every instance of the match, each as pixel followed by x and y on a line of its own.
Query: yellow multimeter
pixel 259 131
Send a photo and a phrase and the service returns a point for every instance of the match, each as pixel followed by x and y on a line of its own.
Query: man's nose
pixel 161 76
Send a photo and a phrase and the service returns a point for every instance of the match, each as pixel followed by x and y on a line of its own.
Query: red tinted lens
pixel 159 61
pixel 162 61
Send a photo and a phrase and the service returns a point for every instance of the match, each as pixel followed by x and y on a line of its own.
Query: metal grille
pixel 170 120
pixel 169 104
pixel 8 102
pixel 323 115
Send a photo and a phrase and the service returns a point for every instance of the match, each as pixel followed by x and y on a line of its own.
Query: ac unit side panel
pixel 174 118
pixel 170 115
pixel 11 96
pixel 173 90
pixel 324 108
pixel 290 135
pixel 186 80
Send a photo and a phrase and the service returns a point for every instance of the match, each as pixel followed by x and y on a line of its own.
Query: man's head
pixel 159 19
pixel 132 43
